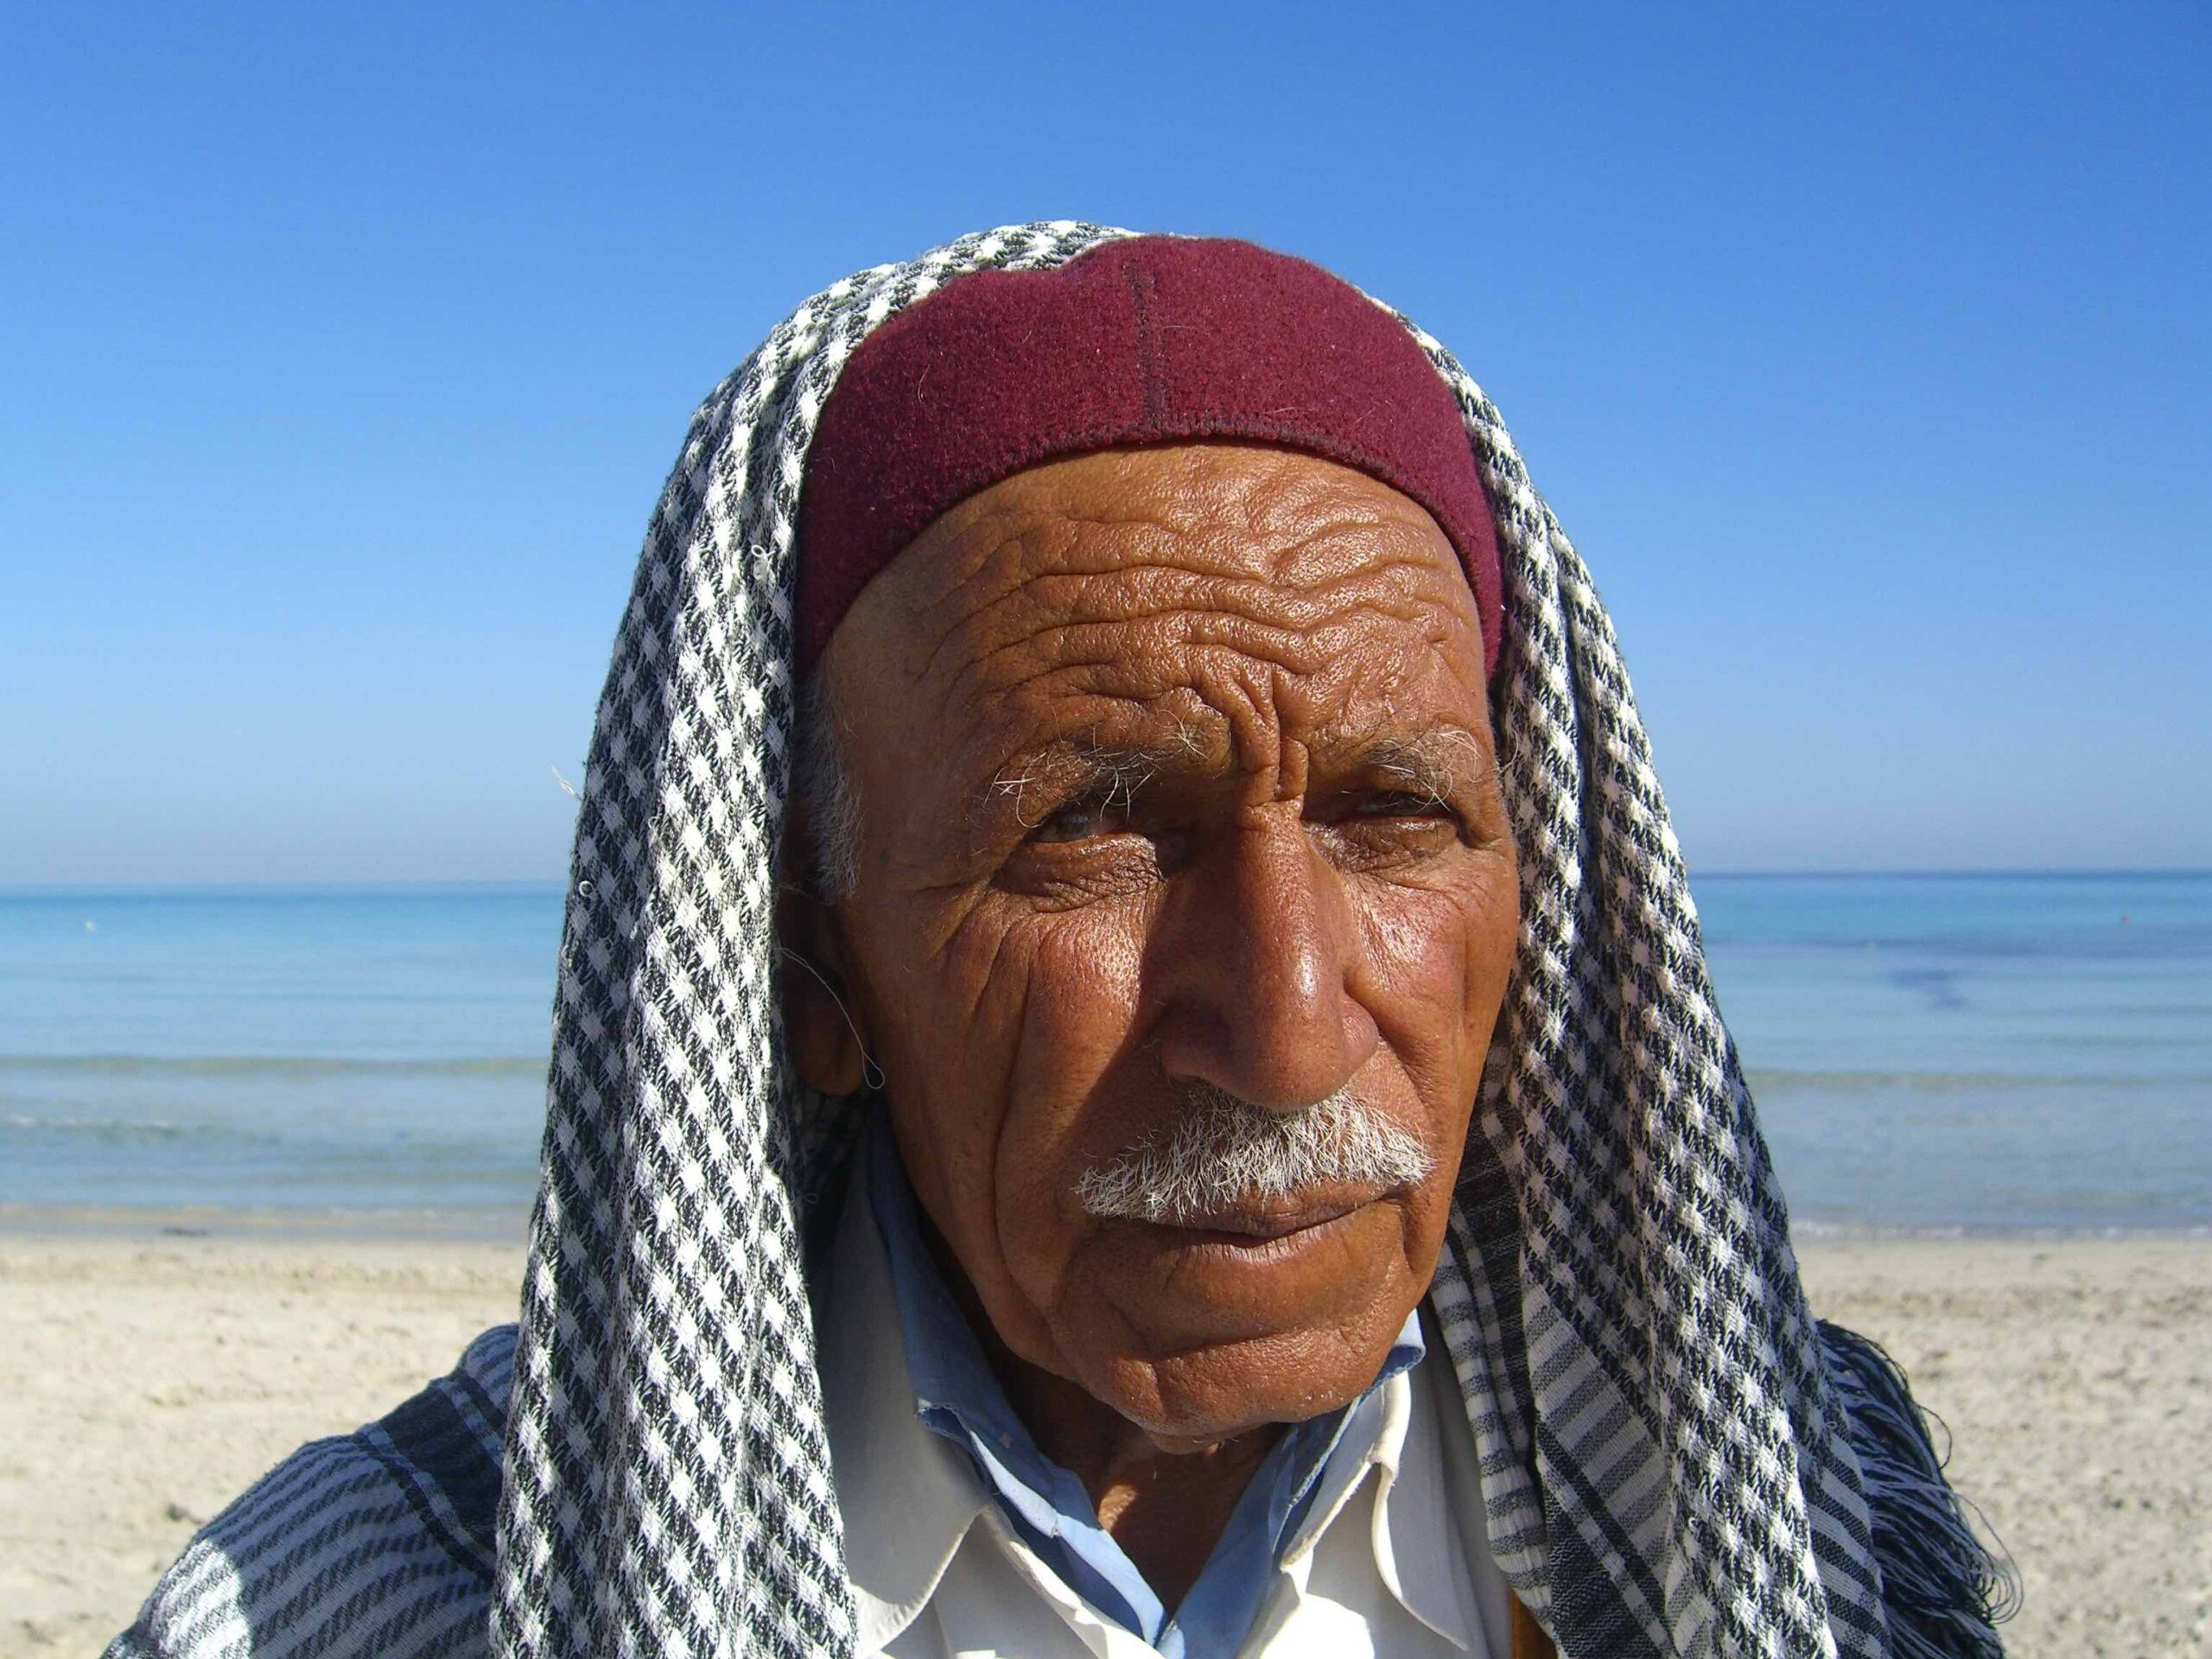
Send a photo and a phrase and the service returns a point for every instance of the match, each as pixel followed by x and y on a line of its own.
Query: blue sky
pixel 1865 352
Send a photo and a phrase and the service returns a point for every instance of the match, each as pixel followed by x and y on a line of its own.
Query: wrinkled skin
pixel 1172 763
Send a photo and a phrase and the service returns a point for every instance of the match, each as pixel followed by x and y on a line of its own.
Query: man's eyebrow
pixel 1431 765
pixel 1085 769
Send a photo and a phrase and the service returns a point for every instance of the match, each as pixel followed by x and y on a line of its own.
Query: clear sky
pixel 1866 352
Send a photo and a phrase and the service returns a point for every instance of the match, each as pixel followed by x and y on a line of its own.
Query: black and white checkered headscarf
pixel 1676 1460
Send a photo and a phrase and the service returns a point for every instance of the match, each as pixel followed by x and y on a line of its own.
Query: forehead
pixel 1179 587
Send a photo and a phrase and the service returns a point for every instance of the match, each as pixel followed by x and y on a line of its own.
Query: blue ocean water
pixel 1929 1052
pixel 1983 1052
pixel 316 1049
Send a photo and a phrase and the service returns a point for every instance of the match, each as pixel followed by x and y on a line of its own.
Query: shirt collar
pixel 906 1497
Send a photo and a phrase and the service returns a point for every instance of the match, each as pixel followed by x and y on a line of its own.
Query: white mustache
pixel 1225 1151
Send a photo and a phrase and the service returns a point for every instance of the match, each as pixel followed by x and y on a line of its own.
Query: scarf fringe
pixel 1943 1588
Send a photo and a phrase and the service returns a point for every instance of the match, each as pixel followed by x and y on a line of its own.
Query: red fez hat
pixel 1149 340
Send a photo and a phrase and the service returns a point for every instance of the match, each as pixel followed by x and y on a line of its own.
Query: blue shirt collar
pixel 957 1395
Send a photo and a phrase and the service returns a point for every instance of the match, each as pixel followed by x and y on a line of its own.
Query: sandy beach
pixel 147 1377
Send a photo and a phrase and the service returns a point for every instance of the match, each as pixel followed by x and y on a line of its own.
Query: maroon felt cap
pixel 1150 340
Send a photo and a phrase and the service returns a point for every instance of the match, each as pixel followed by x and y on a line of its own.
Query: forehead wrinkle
pixel 1286 627
pixel 1193 649
pixel 1231 557
pixel 1311 561
pixel 1230 668
pixel 983 580
pixel 1056 559
pixel 1092 595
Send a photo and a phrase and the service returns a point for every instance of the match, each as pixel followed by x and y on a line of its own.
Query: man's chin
pixel 1195 1400
pixel 1216 1332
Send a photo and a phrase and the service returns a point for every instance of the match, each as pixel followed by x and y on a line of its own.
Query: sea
pixel 1935 1054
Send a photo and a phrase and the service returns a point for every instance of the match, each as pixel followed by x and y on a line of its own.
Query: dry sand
pixel 2076 1378
pixel 144 1380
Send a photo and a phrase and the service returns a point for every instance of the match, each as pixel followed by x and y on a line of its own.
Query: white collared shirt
pixel 1391 1560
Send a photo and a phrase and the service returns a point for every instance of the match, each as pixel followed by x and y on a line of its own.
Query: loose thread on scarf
pixel 1943 1588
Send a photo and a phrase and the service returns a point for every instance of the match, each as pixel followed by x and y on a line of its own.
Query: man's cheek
pixel 1490 942
pixel 1427 978
pixel 1078 1007
pixel 1079 990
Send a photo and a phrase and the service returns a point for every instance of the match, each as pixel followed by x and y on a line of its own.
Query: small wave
pixel 343 1153
pixel 119 1130
pixel 275 1065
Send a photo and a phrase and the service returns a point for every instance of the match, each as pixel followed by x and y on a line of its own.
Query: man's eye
pixel 1400 803
pixel 1078 821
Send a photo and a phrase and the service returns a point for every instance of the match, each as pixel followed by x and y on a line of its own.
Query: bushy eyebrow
pixel 1430 767
pixel 1434 766
pixel 1082 769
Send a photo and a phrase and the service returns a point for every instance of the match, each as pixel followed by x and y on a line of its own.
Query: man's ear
pixel 821 1018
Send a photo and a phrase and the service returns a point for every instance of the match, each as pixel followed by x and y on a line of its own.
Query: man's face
pixel 1176 781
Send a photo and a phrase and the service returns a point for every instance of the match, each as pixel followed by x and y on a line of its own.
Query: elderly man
pixel 1202 1131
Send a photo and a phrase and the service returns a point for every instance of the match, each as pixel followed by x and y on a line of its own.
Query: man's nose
pixel 1259 955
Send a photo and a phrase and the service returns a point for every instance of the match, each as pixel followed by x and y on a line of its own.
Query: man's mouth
pixel 1268 1222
